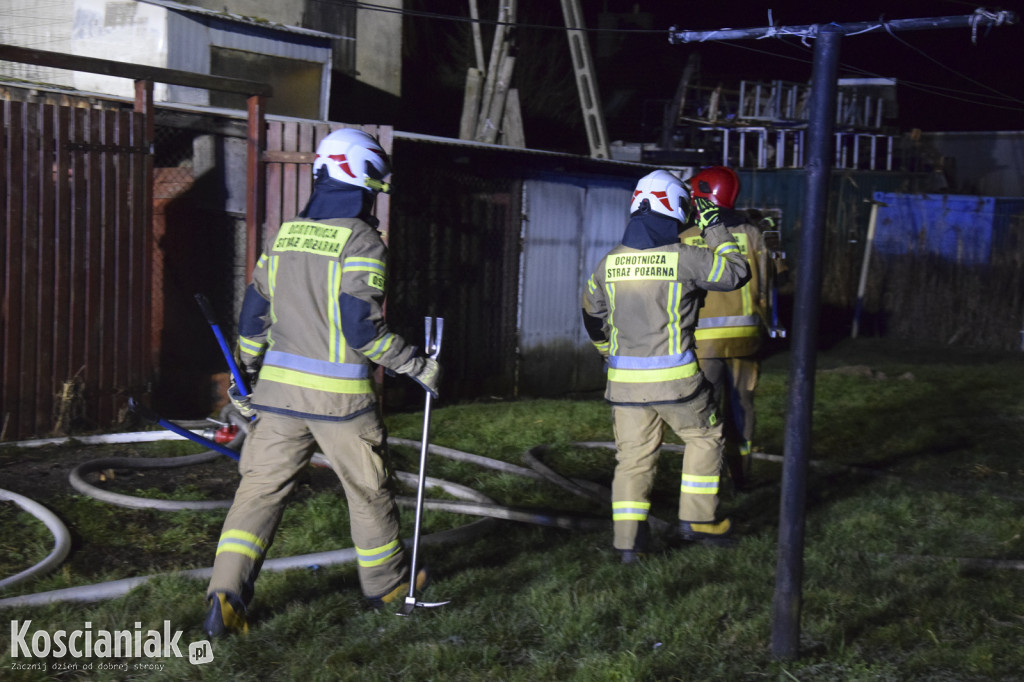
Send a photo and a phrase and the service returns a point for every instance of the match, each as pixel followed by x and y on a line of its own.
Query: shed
pixel 499 241
pixel 294 61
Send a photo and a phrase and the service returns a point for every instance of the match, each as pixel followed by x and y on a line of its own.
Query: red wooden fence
pixel 75 248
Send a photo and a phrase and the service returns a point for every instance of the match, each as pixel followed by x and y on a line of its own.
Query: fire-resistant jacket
pixel 731 323
pixel 640 309
pixel 313 321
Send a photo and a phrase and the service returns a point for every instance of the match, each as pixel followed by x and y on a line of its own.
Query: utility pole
pixel 807 301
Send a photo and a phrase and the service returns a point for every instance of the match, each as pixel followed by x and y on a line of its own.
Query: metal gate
pixel 75 331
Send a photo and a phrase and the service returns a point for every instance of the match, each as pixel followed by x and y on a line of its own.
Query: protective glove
pixel 709 214
pixel 424 371
pixel 242 403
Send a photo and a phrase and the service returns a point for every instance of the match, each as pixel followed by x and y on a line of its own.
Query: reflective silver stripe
pixel 336 370
pixel 655 362
pixel 728 321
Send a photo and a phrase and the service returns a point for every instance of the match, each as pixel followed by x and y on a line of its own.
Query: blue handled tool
pixel 152 417
pixel 211 317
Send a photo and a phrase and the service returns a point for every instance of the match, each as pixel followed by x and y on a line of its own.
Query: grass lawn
pixel 913 562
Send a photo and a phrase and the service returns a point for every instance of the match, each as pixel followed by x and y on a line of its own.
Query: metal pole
pixel 789 570
pixel 981 18
pixel 255 198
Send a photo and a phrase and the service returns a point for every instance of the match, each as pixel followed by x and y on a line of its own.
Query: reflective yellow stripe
pixel 272 285
pixel 675 332
pixel 249 347
pixel 650 376
pixel 699 485
pixel 726 333
pixel 377 555
pixel 304 380
pixel 630 511
pixel 613 334
pixel 336 340
pixel 241 542
pixel 381 346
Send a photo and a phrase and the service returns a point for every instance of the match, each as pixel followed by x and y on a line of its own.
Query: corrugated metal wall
pixel 568 224
pixel 192 37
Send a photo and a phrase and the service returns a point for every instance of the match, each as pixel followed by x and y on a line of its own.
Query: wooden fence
pixel 288 163
pixel 75 203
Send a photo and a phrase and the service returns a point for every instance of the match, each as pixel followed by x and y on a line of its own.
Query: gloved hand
pixel 709 214
pixel 424 371
pixel 242 403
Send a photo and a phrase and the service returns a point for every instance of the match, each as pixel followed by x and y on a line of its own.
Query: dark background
pixel 945 81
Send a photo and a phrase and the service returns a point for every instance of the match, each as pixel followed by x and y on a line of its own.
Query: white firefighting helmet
pixel 664 192
pixel 353 157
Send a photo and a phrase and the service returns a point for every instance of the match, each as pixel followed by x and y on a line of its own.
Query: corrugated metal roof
pixel 248 21
pixel 472 144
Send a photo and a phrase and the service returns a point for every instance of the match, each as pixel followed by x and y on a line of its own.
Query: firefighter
pixel 310 329
pixel 730 331
pixel 640 310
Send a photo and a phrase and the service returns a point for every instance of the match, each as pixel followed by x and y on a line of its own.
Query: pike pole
pixel 434 329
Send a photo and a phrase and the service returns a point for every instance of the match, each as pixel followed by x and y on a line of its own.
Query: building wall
pixel 130 32
pixel 379 48
pixel 982 163
pixel 42 26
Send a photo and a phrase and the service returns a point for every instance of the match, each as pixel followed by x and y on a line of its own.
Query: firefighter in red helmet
pixel 731 326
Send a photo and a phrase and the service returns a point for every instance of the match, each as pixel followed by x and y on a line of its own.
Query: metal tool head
pixel 411 604
pixel 433 331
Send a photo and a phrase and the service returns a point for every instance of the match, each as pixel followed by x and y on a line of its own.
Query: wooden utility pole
pixel 489 95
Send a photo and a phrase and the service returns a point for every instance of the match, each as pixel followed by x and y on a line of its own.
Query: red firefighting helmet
pixel 720 184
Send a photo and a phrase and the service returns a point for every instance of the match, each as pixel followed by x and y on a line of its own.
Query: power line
pixel 936 90
pixel 487 22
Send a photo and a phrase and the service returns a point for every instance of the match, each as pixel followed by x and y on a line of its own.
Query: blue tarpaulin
pixel 961 228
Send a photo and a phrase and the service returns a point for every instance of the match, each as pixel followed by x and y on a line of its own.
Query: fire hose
pixel 469 502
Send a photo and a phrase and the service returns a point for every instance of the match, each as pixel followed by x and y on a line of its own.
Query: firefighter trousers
pixel 275 451
pixel 734 381
pixel 638 437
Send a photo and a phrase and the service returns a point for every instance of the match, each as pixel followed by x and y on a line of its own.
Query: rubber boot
pixel 226 616
pixel 400 592
pixel 716 534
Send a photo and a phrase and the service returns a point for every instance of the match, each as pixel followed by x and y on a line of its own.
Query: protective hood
pixel 647 230
pixel 334 199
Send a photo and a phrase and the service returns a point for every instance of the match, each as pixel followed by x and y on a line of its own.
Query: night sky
pixel 945 81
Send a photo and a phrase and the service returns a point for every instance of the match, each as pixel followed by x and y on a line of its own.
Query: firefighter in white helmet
pixel 310 330
pixel 640 310
pixel 732 324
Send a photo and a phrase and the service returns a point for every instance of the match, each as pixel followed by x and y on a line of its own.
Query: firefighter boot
pixel 640 545
pixel 399 592
pixel 716 534
pixel 226 615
